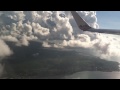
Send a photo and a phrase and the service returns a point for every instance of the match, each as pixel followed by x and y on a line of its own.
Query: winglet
pixel 80 22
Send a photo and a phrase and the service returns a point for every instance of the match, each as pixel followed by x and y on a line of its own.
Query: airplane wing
pixel 83 25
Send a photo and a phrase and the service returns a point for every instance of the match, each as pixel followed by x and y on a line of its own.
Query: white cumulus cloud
pixel 57 27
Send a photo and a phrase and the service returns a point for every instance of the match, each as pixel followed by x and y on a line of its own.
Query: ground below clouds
pixel 34 61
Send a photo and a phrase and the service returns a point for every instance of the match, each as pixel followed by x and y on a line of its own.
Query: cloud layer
pixel 55 29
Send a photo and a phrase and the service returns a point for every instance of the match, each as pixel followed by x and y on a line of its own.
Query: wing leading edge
pixel 83 25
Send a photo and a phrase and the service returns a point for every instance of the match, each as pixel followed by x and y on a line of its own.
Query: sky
pixel 108 19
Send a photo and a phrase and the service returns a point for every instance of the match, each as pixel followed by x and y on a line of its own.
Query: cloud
pixel 56 29
pixel 108 47
pixel 45 44
pixel 4 51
